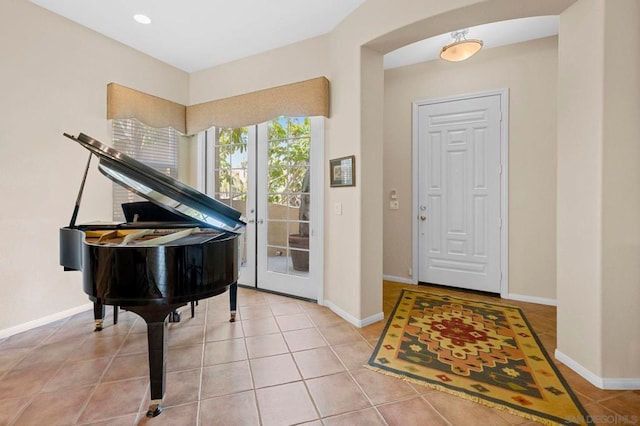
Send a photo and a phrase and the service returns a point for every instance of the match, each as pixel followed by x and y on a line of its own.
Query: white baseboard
pixel 597 381
pixel 530 299
pixel 44 321
pixel 398 279
pixel 350 318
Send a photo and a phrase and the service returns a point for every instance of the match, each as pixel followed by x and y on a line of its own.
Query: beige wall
pixel 621 192
pixel 529 71
pixel 598 200
pixel 53 79
pixel 289 64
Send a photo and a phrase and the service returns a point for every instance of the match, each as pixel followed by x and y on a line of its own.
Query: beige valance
pixel 123 102
pixel 305 98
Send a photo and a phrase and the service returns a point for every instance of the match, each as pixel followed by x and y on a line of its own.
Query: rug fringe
pixel 465 396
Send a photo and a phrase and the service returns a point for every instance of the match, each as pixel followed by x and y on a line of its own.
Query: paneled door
pixel 459 193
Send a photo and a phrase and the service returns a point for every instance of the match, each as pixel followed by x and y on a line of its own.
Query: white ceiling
pixel 492 35
pixel 196 34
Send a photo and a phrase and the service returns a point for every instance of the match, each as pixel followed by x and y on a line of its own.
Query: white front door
pixel 272 173
pixel 459 193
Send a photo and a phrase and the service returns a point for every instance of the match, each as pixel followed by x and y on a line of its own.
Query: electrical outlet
pixel 394 204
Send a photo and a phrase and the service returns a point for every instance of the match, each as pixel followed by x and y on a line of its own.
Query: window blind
pixel 157 148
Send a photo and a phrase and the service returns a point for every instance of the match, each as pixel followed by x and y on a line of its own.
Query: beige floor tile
pixel 221 315
pixel 12 408
pixel 24 382
pixel 253 312
pixel 78 373
pixel 223 331
pixel 134 343
pixel 224 351
pixel 184 358
pixel 336 394
pixel 291 322
pixel 182 335
pixel 183 387
pixel 381 388
pixel 627 403
pixel 119 398
pixel 224 379
pixel 367 417
pixel 65 407
pixel 414 411
pixel 285 307
pixel 49 356
pixel 127 367
pixel 339 334
pixel 274 370
pixel 182 415
pixel 318 362
pixel 285 405
pixel 300 340
pixel 259 327
pixel 266 345
pixel 354 355
pixel 236 409
pixel 460 411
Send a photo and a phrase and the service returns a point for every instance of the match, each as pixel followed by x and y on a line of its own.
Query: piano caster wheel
pixel 174 316
pixel 154 410
pixel 233 317
pixel 98 326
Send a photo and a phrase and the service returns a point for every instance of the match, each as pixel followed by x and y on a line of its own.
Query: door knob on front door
pixel 423 217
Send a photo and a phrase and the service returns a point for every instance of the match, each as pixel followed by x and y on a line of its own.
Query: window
pixel 157 148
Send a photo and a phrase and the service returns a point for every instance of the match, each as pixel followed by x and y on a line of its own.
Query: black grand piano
pixel 179 247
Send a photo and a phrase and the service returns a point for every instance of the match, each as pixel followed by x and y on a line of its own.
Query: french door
pixel 272 173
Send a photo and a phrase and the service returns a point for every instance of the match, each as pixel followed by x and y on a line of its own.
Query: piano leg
pixel 98 315
pixel 233 300
pixel 157 340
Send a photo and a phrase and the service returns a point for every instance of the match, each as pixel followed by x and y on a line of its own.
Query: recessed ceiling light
pixel 143 19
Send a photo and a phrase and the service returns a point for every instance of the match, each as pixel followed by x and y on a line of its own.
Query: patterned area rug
pixel 480 351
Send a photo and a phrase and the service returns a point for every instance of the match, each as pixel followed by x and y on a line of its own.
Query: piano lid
pixel 161 189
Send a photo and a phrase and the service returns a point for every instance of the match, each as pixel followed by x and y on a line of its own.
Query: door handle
pixel 260 221
pixel 251 221
pixel 423 217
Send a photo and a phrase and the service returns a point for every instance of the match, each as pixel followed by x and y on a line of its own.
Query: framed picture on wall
pixel 342 171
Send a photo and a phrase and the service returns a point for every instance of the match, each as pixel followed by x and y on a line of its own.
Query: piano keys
pixel 148 266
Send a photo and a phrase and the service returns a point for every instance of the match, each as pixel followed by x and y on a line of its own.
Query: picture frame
pixel 342 171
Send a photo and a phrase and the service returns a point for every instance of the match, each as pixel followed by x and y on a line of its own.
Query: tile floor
pixel 283 362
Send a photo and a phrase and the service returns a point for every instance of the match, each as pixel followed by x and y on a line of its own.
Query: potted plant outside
pixel 300 258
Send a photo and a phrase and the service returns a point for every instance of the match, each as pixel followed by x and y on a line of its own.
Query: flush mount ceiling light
pixel 461 48
pixel 143 19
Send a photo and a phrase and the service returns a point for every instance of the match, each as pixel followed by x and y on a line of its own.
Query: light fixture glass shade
pixel 460 50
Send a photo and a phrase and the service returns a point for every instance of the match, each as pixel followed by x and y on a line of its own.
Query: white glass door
pixel 289 206
pixel 231 159
pixel 272 173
